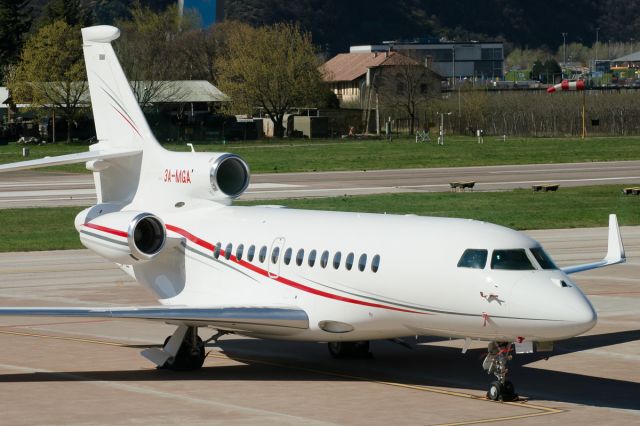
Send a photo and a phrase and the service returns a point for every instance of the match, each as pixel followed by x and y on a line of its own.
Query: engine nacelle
pixel 126 237
pixel 207 175
pixel 229 174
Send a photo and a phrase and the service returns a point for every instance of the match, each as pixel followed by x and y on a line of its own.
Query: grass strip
pixel 35 229
pixel 278 156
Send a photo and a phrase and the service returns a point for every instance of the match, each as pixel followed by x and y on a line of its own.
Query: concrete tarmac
pixel 88 371
pixel 33 188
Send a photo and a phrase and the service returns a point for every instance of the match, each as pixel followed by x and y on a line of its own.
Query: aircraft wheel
pixel 508 392
pixel 342 350
pixel 495 391
pixel 189 357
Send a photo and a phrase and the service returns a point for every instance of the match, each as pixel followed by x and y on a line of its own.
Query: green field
pixel 274 156
pixel 52 228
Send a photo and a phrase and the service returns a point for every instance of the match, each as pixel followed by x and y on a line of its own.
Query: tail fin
pixel 122 130
pixel 120 123
pixel 119 120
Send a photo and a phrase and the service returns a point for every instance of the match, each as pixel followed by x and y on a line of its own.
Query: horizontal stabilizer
pixel 80 157
pixel 615 251
pixel 258 319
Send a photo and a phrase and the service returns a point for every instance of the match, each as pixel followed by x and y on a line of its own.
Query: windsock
pixel 567 85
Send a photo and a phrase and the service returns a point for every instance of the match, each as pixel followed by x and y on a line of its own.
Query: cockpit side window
pixel 543 258
pixel 473 258
pixel 512 260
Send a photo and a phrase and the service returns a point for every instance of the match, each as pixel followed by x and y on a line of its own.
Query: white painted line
pixel 273 185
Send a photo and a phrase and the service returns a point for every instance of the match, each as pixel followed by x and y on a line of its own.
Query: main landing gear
pixel 182 351
pixel 495 363
pixel 190 354
pixel 352 350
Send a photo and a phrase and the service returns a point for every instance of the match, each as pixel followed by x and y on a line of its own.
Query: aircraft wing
pixel 615 251
pixel 246 319
pixel 66 159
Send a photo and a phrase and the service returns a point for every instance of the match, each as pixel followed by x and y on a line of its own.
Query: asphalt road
pixel 75 371
pixel 32 188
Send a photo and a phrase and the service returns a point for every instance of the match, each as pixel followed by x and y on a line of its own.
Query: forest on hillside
pixel 336 24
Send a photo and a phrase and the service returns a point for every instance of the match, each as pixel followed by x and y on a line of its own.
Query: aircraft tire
pixel 495 391
pixel 342 350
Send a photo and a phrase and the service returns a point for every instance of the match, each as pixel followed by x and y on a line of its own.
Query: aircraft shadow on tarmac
pixel 425 365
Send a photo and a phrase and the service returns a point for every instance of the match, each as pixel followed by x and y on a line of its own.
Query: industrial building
pixel 483 61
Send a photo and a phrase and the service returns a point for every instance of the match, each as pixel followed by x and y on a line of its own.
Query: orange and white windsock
pixel 567 85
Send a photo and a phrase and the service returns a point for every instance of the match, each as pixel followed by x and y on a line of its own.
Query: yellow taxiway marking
pixel 72 339
pixel 541 410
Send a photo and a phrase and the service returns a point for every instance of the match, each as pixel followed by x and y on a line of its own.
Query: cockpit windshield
pixel 512 260
pixel 543 258
pixel 473 258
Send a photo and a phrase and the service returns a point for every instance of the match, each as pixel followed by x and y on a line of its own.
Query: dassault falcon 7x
pixel 167 219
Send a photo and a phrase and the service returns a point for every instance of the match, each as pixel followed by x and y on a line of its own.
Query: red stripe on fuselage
pixel 285 281
pixel 107 230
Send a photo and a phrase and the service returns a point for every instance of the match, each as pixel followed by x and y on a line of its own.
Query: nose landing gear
pixel 499 353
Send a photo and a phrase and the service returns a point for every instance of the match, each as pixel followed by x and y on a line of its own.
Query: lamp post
pixel 564 52
pixel 595 60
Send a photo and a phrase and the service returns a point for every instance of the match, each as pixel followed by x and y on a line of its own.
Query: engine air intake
pixel 230 175
pixel 148 234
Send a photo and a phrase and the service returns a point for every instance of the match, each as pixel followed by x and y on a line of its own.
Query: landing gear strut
pixel 495 363
pixel 190 355
pixel 342 350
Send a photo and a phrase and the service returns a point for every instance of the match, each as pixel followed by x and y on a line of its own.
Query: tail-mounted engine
pixel 220 177
pixel 229 175
pixel 126 237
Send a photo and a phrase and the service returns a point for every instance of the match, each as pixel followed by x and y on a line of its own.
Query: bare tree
pixel 406 85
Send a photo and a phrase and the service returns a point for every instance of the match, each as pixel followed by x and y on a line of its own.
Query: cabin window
pixel 239 251
pixel 216 250
pixel 251 252
pixel 312 258
pixel 227 251
pixel 287 256
pixel 362 263
pixel 300 257
pixel 375 263
pixel 275 253
pixel 511 260
pixel 473 258
pixel 263 254
pixel 336 260
pixel 324 259
pixel 543 258
pixel 348 262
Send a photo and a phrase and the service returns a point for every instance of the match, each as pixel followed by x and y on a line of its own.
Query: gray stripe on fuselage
pixel 102 237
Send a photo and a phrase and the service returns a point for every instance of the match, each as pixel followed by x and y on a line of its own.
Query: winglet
pixel 615 251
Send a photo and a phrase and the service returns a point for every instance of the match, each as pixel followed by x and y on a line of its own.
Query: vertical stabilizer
pixel 119 120
pixel 120 123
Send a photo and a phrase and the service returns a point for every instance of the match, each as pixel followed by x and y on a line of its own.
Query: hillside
pixel 336 24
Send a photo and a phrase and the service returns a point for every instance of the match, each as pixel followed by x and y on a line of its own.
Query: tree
pixel 70 11
pixel 272 67
pixel 15 21
pixel 150 52
pixel 552 71
pixel 51 72
pixel 405 84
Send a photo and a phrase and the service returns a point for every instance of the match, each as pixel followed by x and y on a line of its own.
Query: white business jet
pixel 167 219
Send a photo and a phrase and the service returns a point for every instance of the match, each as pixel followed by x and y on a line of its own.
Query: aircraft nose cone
pixel 584 315
pixel 560 312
